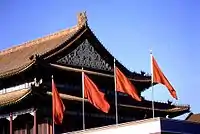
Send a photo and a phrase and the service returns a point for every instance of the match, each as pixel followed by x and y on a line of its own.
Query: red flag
pixel 159 77
pixel 125 86
pixel 58 106
pixel 94 96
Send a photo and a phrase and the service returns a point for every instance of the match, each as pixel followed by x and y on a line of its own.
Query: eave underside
pixel 19 98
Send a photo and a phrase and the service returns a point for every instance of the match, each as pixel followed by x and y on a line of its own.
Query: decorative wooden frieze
pixel 85 56
pixel 17 113
pixel 17 87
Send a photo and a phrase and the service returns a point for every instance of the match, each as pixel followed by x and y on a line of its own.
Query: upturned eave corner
pixel 14 97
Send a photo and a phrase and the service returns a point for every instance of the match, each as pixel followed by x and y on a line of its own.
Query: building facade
pixel 25 84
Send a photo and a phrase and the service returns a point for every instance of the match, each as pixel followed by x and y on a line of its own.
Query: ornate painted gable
pixel 85 55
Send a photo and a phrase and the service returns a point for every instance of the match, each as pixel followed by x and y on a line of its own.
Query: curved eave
pixel 17 70
pixel 55 42
pixel 176 111
pixel 64 45
pixel 14 97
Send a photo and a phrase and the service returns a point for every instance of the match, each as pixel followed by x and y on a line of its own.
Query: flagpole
pixel 53 125
pixel 116 109
pixel 83 104
pixel 152 93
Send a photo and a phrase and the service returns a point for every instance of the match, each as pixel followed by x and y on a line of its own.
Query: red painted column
pixel 11 119
pixel 35 123
pixel 42 126
pixel 26 129
pixel 47 125
pixel 51 128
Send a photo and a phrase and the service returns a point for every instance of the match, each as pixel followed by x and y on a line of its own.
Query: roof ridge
pixel 39 40
pixel 172 104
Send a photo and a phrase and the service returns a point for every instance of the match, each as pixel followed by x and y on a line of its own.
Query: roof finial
pixel 82 18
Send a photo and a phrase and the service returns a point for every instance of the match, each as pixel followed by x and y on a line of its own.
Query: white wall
pixel 137 127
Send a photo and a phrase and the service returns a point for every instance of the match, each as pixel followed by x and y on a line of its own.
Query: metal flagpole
pixel 53 125
pixel 151 57
pixel 116 109
pixel 83 104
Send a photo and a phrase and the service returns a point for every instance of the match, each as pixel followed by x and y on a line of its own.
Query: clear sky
pixel 128 29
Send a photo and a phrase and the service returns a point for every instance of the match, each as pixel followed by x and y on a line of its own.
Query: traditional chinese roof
pixel 193 118
pixel 21 57
pixel 13 97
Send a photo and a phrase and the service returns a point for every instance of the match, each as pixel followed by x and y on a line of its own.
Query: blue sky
pixel 128 29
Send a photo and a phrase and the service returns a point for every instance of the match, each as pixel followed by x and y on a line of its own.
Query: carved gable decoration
pixel 85 56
